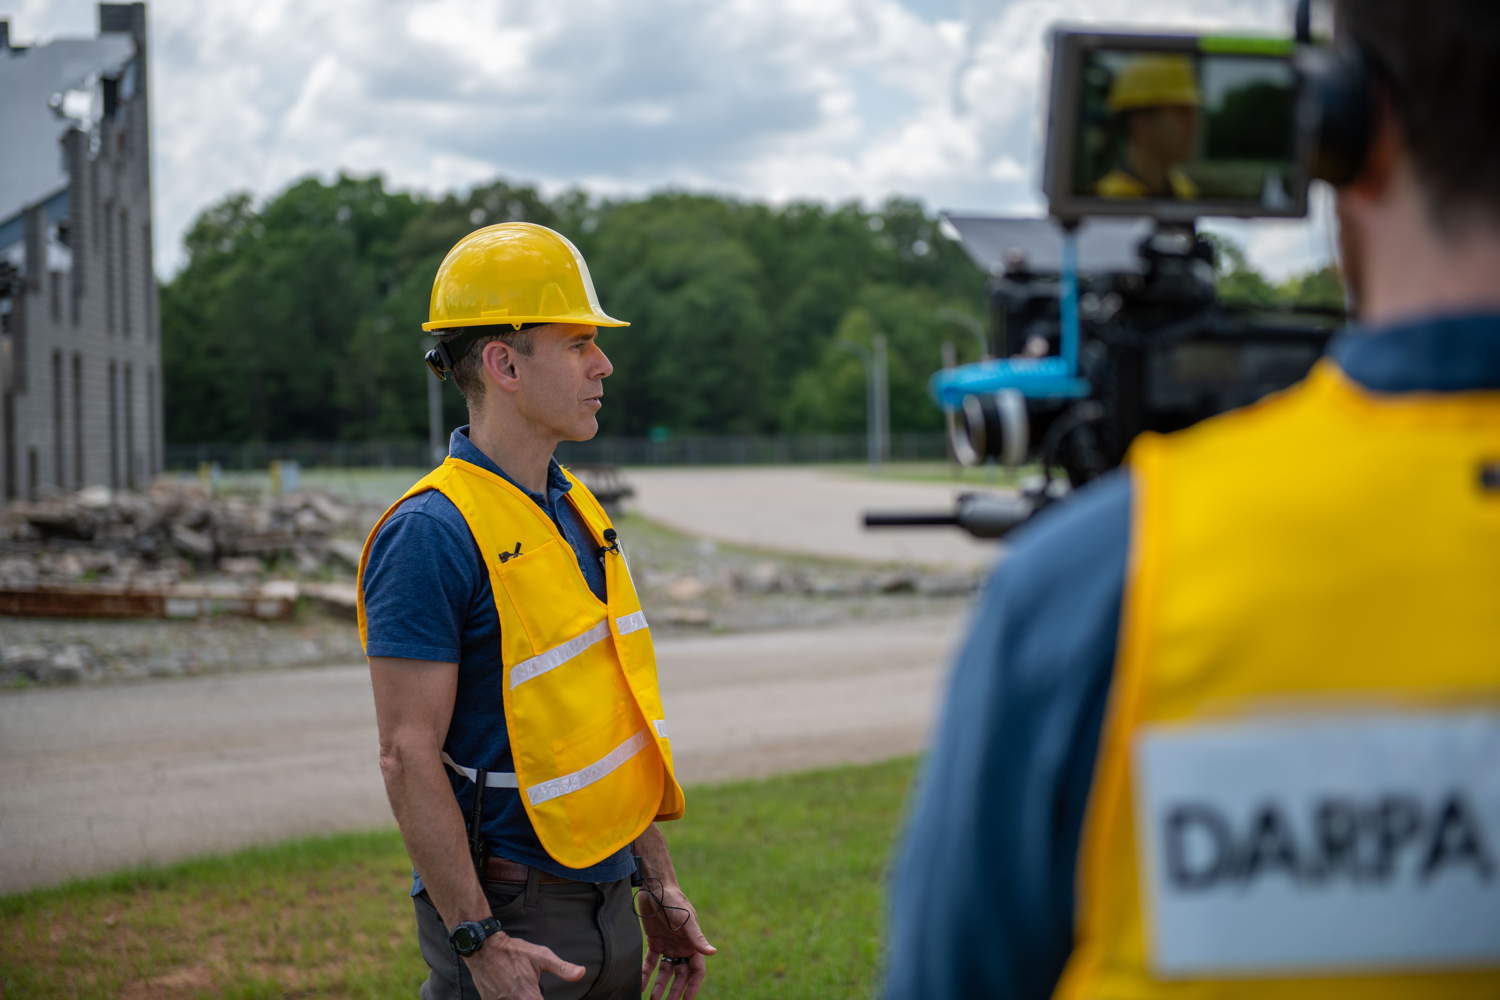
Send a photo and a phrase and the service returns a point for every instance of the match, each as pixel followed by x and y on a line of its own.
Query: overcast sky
pixel 774 99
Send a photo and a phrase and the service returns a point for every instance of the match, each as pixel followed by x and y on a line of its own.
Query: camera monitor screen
pixel 1174 127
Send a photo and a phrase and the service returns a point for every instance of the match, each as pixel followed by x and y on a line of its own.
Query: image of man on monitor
pixel 1155 106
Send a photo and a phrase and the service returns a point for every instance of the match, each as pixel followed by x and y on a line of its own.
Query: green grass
pixel 364 485
pixel 664 548
pixel 367 485
pixel 788 876
pixel 382 485
pixel 985 477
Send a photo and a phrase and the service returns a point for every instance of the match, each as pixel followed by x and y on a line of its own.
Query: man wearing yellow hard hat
pixel 523 743
pixel 1154 99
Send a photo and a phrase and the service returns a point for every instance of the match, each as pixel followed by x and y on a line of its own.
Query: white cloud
pixel 1284 248
pixel 781 99
pixel 1007 170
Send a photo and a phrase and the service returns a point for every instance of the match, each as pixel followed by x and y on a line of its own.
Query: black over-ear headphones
pixel 1337 109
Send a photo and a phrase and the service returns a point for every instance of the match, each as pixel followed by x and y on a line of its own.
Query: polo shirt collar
pixel 1452 353
pixel 465 450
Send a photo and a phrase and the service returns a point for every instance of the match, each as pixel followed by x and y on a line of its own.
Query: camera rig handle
pixel 983 515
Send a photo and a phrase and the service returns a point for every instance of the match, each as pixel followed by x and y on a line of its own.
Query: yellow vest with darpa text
pixel 586 725
pixel 1297 792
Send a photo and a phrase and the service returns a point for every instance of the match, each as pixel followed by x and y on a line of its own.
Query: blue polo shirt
pixel 428 597
pixel 982 891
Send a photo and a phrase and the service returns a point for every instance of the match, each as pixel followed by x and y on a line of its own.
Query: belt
pixel 498 869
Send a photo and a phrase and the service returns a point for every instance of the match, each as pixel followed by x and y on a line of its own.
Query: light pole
pixel 435 419
pixel 971 324
pixel 877 401
pixel 950 417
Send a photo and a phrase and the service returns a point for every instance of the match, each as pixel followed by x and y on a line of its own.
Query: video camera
pixel 1105 321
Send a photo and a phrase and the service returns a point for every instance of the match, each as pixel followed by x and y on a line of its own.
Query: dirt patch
pixel 189 981
pixel 214 933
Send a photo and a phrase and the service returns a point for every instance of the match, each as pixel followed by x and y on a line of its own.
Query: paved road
pixel 95 779
pixel 806 510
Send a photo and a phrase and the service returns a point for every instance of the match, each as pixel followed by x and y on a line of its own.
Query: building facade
pixel 80 333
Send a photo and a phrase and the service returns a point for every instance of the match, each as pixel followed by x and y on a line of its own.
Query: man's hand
pixel 507 968
pixel 672 932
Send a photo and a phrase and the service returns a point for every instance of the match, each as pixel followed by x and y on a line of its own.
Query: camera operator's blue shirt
pixel 428 597
pixel 982 894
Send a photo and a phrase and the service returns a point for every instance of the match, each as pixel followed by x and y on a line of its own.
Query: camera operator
pixel 1315 578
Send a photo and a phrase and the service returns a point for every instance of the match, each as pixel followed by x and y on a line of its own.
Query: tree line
pixel 299 318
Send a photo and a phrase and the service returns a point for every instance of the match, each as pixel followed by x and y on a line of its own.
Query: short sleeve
pixel 420 581
pixel 991 843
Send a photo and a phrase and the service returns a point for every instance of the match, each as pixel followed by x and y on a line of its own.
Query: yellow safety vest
pixel 1119 184
pixel 585 719
pixel 1297 791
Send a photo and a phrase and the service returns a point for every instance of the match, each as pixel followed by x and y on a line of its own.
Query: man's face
pixel 562 383
pixel 1166 133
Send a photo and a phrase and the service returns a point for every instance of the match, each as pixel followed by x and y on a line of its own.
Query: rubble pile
pixel 104 586
pixel 769 577
pixel 53 652
pixel 178 540
pixel 706 597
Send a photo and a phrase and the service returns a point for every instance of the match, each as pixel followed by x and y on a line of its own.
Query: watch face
pixel 465 938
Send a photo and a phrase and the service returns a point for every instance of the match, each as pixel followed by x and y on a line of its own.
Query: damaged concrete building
pixel 80 334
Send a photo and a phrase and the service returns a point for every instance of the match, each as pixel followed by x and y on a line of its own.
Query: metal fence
pixel 685 450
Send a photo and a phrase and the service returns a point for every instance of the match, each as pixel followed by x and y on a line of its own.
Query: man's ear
pixel 1383 156
pixel 498 361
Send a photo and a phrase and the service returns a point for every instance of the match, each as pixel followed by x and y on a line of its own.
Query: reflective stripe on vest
pixel 586 725
pixel 568 783
pixel 492 779
pixel 558 655
pixel 587 776
pixel 1295 794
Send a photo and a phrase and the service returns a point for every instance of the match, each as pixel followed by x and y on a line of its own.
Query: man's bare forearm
pixel 675 945
pixel 433 828
pixel 656 860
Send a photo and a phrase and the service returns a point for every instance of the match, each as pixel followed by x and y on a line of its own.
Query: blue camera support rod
pixel 1069 303
pixel 1034 378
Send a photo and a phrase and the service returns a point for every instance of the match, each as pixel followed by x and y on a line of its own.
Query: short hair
pixel 466 345
pixel 1438 64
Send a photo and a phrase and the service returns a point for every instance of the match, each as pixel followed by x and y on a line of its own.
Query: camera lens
pixel 990 427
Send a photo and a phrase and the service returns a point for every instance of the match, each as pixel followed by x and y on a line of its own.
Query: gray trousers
pixel 590 925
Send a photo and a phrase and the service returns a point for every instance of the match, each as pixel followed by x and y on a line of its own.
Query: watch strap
pixel 476 930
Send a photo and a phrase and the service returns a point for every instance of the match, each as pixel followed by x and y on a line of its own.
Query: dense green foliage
pixel 1241 284
pixel 299 318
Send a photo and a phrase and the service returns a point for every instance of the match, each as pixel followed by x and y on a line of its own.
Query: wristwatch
pixel 467 937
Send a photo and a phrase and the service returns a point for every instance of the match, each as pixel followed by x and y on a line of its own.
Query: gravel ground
pixel 52 651
pixel 689 586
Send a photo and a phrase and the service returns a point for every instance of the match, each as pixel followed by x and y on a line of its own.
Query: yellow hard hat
pixel 514 272
pixel 1154 81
